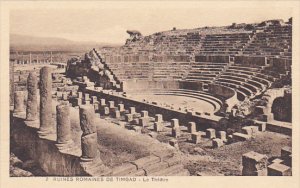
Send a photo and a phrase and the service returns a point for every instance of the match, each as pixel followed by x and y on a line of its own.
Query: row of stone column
pixel 63 125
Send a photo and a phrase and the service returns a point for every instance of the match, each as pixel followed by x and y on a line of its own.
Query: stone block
pixel 136 115
pixel 191 127
pixel 128 117
pixel 174 143
pixel 222 135
pixel 104 111
pixel 144 113
pixel 65 96
pixel 87 96
pixel 125 168
pixel 247 130
pixel 96 106
pixel 111 104
pixel 286 155
pixel 102 102
pixel 122 124
pixel 137 129
pixel 174 123
pixel 217 142
pixel 78 101
pixel 277 160
pixel 277 169
pixel 59 94
pixel 132 110
pixel 117 114
pixel 210 133
pixel 196 138
pixel 254 164
pixel 176 132
pixel 79 95
pixel 240 137
pixel 261 126
pixel 121 107
pixel 158 127
pixel 158 118
pixel 143 121
pixel 94 99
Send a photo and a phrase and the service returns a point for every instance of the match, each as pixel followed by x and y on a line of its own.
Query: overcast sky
pixel 109 24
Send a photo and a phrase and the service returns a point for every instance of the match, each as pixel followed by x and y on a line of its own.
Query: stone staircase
pixel 152 165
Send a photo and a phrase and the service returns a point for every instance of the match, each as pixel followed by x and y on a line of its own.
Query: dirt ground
pixel 227 159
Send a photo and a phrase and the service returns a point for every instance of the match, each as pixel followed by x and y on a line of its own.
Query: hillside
pixel 32 43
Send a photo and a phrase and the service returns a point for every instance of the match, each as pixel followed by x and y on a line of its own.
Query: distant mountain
pixel 32 43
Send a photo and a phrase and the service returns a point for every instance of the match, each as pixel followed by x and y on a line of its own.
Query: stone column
pixel 89 143
pixel 87 121
pixel 46 124
pixel 32 102
pixel 19 101
pixel 63 125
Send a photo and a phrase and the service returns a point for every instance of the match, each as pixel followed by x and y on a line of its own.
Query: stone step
pixel 156 167
pixel 175 168
pixel 124 169
pixel 183 172
pixel 146 161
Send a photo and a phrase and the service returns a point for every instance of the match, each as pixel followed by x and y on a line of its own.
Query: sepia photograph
pixel 137 92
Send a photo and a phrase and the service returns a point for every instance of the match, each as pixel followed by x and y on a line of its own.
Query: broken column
pixel 89 144
pixel 254 164
pixel 19 101
pixel 46 124
pixel 63 126
pixel 191 127
pixel 32 102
